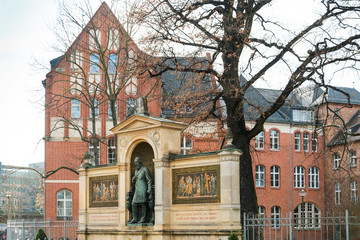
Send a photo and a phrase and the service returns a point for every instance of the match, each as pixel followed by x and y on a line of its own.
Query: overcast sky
pixel 25 34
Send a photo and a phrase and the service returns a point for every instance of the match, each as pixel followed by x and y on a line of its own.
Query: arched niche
pixel 146 153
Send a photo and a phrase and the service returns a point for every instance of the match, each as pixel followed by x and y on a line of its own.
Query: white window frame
pixel 275 217
pixel 260 175
pixel 261 212
pixel 93 35
pixel 352 159
pixel 259 140
pixel 336 158
pixel 91 151
pixel 274 140
pixel 353 191
pixel 337 193
pixel 64 211
pixel 94 63
pixel 313 177
pixel 112 63
pixel 306 137
pixel 297 143
pixel 307 215
pixel 186 144
pixel 76 60
pixel 111 151
pixel 299 177
pixel 314 142
pixel 275 176
pixel 75 108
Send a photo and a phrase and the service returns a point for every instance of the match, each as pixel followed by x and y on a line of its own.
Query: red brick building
pixel 290 155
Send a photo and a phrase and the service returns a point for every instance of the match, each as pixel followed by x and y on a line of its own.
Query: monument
pixel 154 193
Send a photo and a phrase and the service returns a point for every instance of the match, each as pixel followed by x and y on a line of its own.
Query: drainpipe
pixel 291 167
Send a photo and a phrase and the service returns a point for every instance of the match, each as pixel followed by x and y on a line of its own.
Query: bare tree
pixel 244 39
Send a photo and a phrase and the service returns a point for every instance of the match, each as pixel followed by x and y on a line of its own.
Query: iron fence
pixel 55 230
pixel 317 227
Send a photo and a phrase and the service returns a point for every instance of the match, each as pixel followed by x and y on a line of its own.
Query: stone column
pixel 162 193
pixel 230 188
pixel 83 198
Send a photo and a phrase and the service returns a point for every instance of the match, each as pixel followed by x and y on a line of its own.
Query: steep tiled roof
pixel 55 61
pixel 352 134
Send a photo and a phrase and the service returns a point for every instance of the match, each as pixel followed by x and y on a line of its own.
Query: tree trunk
pixel 248 199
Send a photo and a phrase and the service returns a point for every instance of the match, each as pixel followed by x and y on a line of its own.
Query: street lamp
pixel 302 194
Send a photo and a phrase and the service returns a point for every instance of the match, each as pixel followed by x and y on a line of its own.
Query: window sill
pixel 63 218
pixel 275 150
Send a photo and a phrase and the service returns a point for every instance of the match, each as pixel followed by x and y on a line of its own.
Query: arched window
pixel 313 177
pixel 260 176
pixel 299 177
pixel 64 204
pixel 337 193
pixel 94 38
pixel 307 215
pixel 111 151
pixel 275 176
pixel 306 142
pixel 352 159
pixel 274 140
pixel 336 158
pixel 275 217
pixel 259 140
pixel 186 144
pixel 131 86
pixel 261 212
pixel 297 141
pixel 113 62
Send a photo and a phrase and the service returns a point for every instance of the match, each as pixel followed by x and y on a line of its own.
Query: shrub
pixel 40 235
pixel 233 236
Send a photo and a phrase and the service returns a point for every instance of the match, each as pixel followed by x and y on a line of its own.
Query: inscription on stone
pixel 198 216
pixel 103 218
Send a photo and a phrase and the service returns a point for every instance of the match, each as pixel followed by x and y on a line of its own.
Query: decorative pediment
pixel 142 122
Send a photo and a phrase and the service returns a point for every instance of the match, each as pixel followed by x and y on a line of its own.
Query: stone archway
pixel 146 153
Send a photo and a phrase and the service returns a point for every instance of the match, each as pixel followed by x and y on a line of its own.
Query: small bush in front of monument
pixel 233 236
pixel 40 235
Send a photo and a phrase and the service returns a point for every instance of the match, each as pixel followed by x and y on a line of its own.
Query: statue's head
pixel 138 162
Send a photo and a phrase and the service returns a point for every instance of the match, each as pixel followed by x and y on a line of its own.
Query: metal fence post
pixel 49 228
pixel 65 227
pixel 244 237
pixel 347 224
pixel 290 225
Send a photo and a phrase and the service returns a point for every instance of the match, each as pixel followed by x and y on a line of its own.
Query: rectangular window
pixel 113 61
pixel 92 153
pixel 76 60
pixel 75 108
pixel 337 193
pixel 259 140
pixel 94 63
pixel 314 142
pixel 275 176
pixel 302 116
pixel 313 177
pixel 299 177
pixel 336 158
pixel 352 159
pixel 274 140
pixel 111 151
pixel 297 141
pixel 306 142
pixel 260 176
pixel 353 191
pixel 96 108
